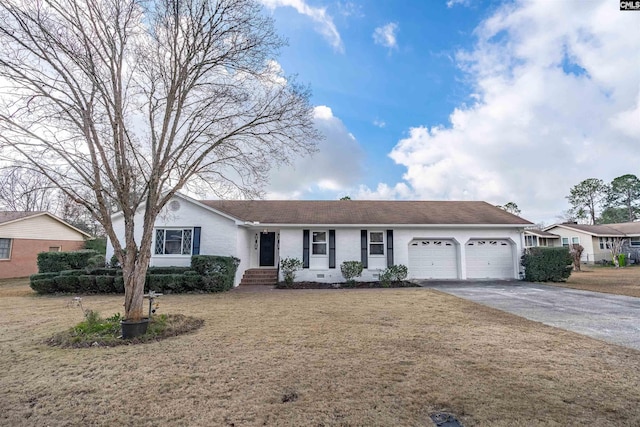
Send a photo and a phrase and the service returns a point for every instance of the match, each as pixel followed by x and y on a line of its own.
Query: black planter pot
pixel 134 328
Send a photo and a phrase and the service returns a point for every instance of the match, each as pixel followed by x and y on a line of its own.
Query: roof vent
pixel 174 206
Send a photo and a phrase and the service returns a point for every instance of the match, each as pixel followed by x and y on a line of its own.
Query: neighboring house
pixel 436 240
pixel 596 239
pixel 25 234
pixel 534 237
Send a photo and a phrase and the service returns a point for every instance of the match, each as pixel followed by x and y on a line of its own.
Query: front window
pixel 319 243
pixel 604 243
pixel 565 242
pixel 5 248
pixel 575 240
pixel 171 241
pixel 635 241
pixel 529 241
pixel 376 243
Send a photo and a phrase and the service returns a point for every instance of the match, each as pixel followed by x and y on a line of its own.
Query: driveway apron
pixel 611 318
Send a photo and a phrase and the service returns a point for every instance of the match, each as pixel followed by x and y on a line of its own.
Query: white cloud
pixel 534 130
pixel 336 167
pixel 379 123
pixel 386 35
pixel 324 21
pixel 451 3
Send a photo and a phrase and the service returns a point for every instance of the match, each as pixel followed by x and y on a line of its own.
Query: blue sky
pixel 463 99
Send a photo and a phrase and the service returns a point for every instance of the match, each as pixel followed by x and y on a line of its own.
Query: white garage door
pixel 433 259
pixel 489 259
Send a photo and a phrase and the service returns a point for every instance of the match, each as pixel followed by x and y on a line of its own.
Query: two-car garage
pixel 441 259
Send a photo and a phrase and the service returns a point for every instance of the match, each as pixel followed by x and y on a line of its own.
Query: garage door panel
pixel 433 259
pixel 489 259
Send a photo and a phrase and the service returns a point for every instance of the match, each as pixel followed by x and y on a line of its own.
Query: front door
pixel 267 249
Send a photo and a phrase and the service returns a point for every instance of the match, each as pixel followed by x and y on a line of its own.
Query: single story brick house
pixel 25 234
pixel 595 239
pixel 434 239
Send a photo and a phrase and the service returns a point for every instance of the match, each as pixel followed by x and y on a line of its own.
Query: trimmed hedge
pixel 219 274
pixel 547 264
pixel 51 262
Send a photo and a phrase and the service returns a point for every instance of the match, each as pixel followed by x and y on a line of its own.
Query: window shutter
pixel 305 248
pixel 332 248
pixel 389 248
pixel 196 240
pixel 363 249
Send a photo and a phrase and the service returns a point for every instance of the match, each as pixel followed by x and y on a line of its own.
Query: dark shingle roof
pixel 609 230
pixel 6 216
pixel 354 212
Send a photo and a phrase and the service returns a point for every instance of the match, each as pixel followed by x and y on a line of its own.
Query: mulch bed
pixel 358 285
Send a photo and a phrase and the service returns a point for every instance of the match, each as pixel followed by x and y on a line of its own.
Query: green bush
pixel 165 283
pixel 104 284
pixel 43 286
pixel 218 272
pixel 350 270
pixel 86 283
pixel 547 264
pixel 289 266
pixel 168 270
pixel 66 283
pixel 98 244
pixel 49 262
pixel 393 274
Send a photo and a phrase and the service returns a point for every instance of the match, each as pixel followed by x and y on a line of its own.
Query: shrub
pixel 104 284
pixel 393 274
pixel 98 244
pixel 66 283
pixel 218 272
pixel 95 261
pixel 49 262
pixel 86 283
pixel 165 283
pixel 350 270
pixel 289 266
pixel 547 264
pixel 168 270
pixel 43 283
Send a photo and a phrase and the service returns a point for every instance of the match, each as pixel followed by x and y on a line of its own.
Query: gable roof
pixel 7 217
pixel 594 230
pixel 541 233
pixel 353 212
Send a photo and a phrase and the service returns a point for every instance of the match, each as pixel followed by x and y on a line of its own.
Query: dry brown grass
pixel 296 358
pixel 611 280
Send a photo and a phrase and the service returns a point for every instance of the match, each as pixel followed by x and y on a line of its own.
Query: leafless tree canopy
pixel 21 190
pixel 121 103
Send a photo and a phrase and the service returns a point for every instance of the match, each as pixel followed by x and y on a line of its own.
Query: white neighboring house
pixel 434 239
pixel 595 239
pixel 534 237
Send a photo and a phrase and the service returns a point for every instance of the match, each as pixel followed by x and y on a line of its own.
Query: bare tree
pixel 575 250
pixel 26 190
pixel 615 246
pixel 122 103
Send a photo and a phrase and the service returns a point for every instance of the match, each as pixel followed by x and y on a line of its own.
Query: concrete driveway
pixel 611 318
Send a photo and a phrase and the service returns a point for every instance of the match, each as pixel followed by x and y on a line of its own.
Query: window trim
pixel 563 244
pixel 9 249
pixel 165 229
pixel 371 243
pixel 315 243
pixel 575 238
pixel 532 241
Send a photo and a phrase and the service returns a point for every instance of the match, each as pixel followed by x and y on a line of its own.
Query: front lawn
pixel 620 281
pixel 309 358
